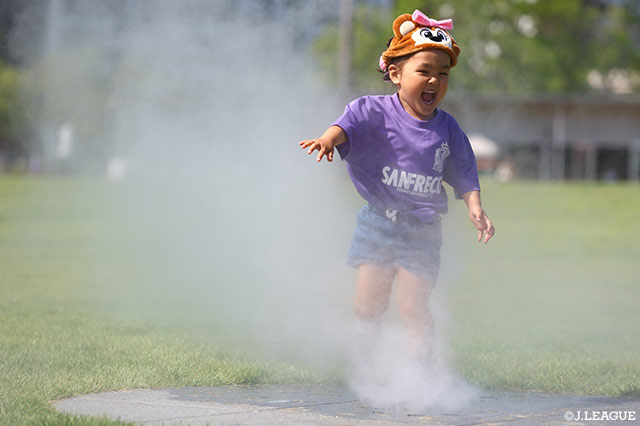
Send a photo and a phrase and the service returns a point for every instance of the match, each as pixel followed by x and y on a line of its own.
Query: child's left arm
pixel 478 216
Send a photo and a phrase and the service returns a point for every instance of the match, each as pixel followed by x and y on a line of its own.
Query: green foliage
pixel 72 86
pixel 370 36
pixel 517 46
pixel 10 108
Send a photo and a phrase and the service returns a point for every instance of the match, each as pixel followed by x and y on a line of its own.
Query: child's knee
pixel 413 296
pixel 374 291
pixel 412 310
pixel 369 310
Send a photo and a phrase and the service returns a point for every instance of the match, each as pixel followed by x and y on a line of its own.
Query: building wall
pixel 558 138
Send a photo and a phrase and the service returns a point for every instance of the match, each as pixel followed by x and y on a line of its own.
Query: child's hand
pixel 482 223
pixel 323 145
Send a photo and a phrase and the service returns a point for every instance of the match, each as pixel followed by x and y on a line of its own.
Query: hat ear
pixel 403 25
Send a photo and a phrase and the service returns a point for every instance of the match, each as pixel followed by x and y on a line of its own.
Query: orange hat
pixel 412 33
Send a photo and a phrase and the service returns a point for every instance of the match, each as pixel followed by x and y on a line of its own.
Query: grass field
pixel 551 304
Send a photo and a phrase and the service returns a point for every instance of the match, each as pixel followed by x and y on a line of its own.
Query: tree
pixel 9 81
pixel 12 114
pixel 514 46
pixel 370 28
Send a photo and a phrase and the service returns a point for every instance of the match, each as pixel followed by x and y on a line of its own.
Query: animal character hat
pixel 412 33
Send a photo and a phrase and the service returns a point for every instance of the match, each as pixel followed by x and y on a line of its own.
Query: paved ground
pixel 321 405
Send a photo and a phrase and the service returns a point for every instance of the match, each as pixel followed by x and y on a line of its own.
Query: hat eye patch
pixel 428 35
pixel 438 37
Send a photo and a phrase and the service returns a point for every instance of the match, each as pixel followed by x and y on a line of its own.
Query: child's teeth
pixel 428 96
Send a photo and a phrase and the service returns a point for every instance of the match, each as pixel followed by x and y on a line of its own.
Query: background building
pixel 558 137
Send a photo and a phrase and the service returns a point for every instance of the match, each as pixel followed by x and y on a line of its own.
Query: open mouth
pixel 428 97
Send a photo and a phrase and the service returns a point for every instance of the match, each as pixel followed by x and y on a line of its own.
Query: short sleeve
pixel 461 171
pixel 351 122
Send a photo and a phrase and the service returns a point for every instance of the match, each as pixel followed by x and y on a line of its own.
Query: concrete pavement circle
pixel 276 405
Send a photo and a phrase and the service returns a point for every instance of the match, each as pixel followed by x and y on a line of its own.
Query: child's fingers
pixel 481 233
pixel 477 221
pixel 484 226
pixel 321 153
pixel 306 143
pixel 313 145
pixel 489 230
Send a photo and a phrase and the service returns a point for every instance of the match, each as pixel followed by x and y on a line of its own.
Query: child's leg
pixel 374 291
pixel 372 300
pixel 413 303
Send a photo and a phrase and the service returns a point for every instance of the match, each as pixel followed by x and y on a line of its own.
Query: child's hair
pixel 397 61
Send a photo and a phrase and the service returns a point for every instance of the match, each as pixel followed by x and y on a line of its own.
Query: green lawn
pixel 57 339
pixel 551 304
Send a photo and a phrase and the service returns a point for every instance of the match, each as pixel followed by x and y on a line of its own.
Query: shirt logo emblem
pixel 441 153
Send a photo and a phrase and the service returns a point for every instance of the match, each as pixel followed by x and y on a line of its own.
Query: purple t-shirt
pixel 399 162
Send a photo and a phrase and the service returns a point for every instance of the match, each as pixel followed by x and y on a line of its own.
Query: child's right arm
pixel 324 144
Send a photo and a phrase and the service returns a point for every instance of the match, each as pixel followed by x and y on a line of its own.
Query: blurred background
pixel 159 225
pixel 545 89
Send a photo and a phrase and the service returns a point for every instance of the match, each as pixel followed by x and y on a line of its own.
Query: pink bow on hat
pixel 422 19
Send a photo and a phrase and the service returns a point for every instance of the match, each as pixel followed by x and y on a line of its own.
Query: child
pixel 399 148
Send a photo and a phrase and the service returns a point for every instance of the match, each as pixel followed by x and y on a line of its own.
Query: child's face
pixel 422 82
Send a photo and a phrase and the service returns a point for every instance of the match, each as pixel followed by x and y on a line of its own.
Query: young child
pixel 399 148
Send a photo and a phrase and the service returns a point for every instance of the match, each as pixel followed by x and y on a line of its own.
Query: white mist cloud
pixel 219 217
pixel 221 220
pixel 385 375
pixel 217 115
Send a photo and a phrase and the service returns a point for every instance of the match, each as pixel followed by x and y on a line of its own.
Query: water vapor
pixel 385 375
pixel 193 111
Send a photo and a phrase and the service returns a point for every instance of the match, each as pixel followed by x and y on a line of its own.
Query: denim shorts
pixel 392 240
